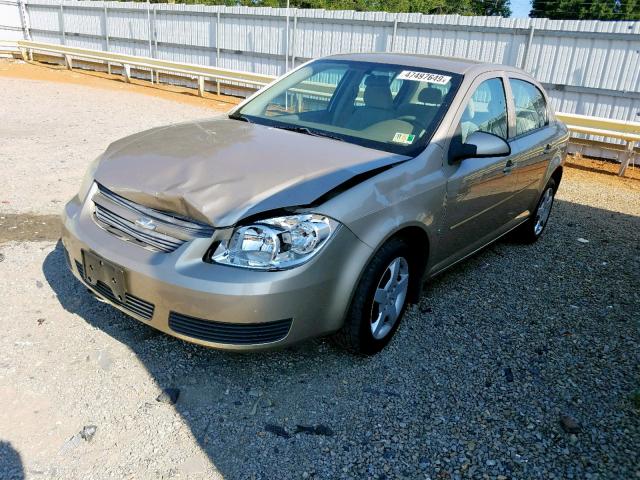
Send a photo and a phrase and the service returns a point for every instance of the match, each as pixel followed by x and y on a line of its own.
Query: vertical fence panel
pixel 11 23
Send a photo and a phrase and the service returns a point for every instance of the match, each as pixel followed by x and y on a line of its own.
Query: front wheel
pixel 379 301
pixel 532 229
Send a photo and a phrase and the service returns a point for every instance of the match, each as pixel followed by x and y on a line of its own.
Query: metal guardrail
pixel 8 46
pixel 153 64
pixel 598 126
pixel 604 127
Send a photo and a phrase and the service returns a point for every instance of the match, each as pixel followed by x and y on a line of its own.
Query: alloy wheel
pixel 389 297
pixel 543 212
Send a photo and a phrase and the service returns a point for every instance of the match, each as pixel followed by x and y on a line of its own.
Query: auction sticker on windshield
pixel 405 138
pixel 423 77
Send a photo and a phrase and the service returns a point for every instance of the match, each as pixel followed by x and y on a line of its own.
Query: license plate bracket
pixel 97 269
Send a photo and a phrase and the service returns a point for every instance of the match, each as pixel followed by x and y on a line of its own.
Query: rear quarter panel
pixel 559 145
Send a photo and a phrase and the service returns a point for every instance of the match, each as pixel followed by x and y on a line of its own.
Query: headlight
pixel 277 243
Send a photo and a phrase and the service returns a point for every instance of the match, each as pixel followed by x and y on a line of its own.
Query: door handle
pixel 508 167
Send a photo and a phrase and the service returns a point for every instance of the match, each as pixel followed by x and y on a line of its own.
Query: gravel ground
pixel 506 355
pixel 50 132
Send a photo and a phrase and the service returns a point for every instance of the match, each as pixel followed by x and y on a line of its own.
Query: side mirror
pixel 481 145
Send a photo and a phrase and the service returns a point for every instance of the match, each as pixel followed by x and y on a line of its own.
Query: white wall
pixel 10 24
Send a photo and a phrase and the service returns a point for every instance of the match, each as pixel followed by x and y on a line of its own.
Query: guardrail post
pixel 23 52
pixel 106 34
pixel 218 49
pixel 201 86
pixel 155 39
pixel 64 35
pixel 127 72
pixel 395 33
pixel 286 43
pixel 629 154
pixel 68 62
pixel 24 20
pixel 149 30
pixel 527 47
pixel 293 38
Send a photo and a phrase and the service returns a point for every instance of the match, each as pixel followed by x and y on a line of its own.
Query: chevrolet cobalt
pixel 321 204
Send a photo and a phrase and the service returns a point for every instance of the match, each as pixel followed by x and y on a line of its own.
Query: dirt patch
pixel 603 172
pixel 29 228
pixel 58 73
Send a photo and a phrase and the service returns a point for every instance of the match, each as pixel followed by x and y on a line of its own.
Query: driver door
pixel 478 189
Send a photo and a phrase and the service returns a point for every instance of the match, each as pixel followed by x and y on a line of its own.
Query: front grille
pixel 132 304
pixel 230 333
pixel 164 232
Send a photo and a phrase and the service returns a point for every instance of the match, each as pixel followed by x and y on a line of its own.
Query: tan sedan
pixel 321 204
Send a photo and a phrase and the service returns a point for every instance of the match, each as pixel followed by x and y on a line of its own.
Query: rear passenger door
pixel 532 145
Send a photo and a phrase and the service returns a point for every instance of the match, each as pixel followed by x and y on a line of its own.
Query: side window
pixel 531 108
pixel 311 95
pixel 486 110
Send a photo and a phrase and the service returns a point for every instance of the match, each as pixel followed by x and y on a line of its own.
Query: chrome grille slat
pixel 130 214
pixel 112 220
pixel 118 216
pixel 152 212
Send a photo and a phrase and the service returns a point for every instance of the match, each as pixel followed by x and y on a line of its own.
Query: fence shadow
pixel 440 383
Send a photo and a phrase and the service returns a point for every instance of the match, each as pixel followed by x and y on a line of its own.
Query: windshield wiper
pixel 239 116
pixel 308 131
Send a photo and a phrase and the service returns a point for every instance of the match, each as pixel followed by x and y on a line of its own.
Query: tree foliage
pixel 433 7
pixel 586 9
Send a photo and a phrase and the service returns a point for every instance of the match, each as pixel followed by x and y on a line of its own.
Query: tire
pixel 373 316
pixel 531 230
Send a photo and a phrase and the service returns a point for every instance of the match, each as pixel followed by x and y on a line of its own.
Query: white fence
pixel 588 67
pixel 11 25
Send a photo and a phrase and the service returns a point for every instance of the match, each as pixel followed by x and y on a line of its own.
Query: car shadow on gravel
pixel 476 381
pixel 11 467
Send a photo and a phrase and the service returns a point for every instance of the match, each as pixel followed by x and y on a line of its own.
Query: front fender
pixel 410 194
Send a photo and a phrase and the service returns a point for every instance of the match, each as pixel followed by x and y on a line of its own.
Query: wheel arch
pixel 420 246
pixel 417 239
pixel 557 176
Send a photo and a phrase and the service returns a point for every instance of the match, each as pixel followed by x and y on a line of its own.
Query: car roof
pixel 448 64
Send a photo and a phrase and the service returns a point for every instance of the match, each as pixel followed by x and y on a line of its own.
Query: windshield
pixel 393 108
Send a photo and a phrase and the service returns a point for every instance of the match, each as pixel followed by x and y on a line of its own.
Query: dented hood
pixel 220 171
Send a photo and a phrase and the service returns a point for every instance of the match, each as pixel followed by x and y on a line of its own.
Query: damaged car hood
pixel 220 171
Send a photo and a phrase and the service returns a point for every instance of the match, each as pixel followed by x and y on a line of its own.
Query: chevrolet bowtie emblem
pixel 146 223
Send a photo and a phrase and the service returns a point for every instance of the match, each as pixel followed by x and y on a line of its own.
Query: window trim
pixel 512 101
pixel 466 96
pixel 506 105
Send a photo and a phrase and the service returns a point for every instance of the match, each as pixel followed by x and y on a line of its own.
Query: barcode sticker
pixel 423 77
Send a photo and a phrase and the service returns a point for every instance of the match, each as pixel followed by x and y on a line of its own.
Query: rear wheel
pixel 379 301
pixel 532 229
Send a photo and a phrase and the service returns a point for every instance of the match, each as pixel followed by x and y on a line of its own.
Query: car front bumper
pixel 216 305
